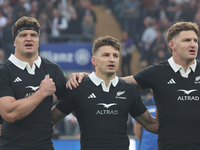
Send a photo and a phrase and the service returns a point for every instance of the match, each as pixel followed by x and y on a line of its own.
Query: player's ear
pixel 93 60
pixel 14 43
pixel 171 45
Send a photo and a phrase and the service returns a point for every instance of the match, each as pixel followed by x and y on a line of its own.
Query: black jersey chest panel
pixel 178 102
pixel 95 102
pixel 25 84
pixel 92 103
pixel 176 93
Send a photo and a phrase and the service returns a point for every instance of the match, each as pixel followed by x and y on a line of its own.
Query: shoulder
pixel 5 64
pixel 86 81
pixel 49 63
pixel 6 70
pixel 155 67
pixel 126 84
pixel 46 61
pixel 163 63
pixel 198 61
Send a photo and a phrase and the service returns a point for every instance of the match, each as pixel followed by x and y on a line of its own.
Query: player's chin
pixel 110 73
pixel 192 57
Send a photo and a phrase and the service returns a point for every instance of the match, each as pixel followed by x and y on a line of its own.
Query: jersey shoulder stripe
pixel 198 61
pixel 163 63
pixel 5 63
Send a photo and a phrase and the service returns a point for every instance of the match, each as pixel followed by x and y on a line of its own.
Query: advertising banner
pixel 70 57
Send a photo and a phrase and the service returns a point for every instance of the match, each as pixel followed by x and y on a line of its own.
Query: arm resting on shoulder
pixel 72 82
pixel 131 79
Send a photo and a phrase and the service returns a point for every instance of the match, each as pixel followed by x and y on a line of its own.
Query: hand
pixel 47 86
pixel 73 80
pixel 157 115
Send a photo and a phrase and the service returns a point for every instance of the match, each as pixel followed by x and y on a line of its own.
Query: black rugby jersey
pixel 102 116
pixel 178 105
pixel 34 131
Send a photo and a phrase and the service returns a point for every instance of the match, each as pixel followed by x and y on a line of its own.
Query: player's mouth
pixel 192 51
pixel 111 66
pixel 28 45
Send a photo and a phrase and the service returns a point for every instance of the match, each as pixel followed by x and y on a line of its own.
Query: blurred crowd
pixel 60 21
pixel 147 22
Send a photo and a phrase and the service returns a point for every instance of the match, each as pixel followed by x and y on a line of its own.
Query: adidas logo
pixel 92 96
pixel 17 79
pixel 171 81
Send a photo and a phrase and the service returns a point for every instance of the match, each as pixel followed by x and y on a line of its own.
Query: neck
pixel 106 77
pixel 28 58
pixel 184 64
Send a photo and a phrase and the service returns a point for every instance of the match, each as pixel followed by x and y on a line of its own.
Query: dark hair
pixel 178 27
pixel 25 21
pixel 106 41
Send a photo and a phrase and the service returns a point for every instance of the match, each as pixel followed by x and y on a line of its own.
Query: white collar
pixel 177 67
pixel 97 81
pixel 22 65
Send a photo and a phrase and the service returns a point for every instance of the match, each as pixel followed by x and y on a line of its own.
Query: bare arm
pixel 56 115
pixel 12 110
pixel 150 123
pixel 72 82
pixel 131 79
pixel 137 130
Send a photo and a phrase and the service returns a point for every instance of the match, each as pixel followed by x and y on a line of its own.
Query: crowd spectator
pixel 88 28
pixel 58 26
pixel 74 28
pixel 35 8
pixel 19 9
pixel 68 11
pixel 7 40
pixel 2 58
pixel 71 126
pixel 157 48
pixel 147 38
pixel 44 27
pixel 127 48
pixel 131 11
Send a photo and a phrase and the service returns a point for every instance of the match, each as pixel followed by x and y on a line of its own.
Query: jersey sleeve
pixel 60 82
pixel 66 104
pixel 5 87
pixel 137 108
pixel 146 77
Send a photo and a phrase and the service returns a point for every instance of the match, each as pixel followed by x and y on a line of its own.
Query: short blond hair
pixel 178 27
